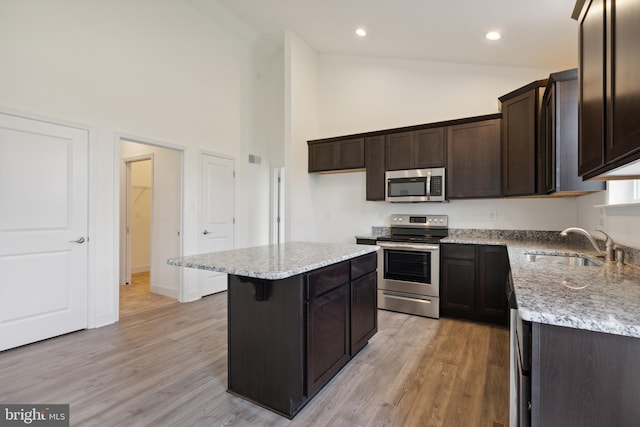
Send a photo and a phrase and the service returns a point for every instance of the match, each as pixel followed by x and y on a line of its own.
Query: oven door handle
pixel 420 300
pixel 408 247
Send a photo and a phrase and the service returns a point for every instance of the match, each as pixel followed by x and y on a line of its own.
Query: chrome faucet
pixel 609 253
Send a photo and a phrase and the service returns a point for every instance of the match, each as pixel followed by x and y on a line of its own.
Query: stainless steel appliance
pixel 409 264
pixel 415 185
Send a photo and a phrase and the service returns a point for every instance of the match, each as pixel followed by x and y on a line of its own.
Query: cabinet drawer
pixel 325 279
pixel 363 265
pixel 459 251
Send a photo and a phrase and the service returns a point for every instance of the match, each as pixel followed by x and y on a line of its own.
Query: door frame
pixel 127 245
pixel 118 137
pixel 277 205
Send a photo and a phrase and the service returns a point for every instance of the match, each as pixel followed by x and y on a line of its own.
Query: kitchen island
pixel 297 313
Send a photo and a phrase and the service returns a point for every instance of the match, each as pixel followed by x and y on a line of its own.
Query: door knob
pixel 79 240
pixel 205 232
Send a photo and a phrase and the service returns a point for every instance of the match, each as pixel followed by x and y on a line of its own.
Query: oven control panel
pixel 427 221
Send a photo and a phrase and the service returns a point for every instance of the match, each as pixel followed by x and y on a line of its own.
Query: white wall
pixel 342 212
pixel 621 223
pixel 160 70
pixel 301 123
pixel 360 94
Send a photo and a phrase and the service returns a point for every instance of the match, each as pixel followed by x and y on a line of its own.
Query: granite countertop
pixel 604 298
pixel 274 262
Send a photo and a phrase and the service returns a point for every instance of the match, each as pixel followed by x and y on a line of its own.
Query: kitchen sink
pixel 574 260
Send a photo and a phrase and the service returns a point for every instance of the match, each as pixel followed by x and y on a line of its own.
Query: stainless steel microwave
pixel 415 185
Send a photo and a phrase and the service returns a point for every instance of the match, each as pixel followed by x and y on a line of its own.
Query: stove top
pixel 417 228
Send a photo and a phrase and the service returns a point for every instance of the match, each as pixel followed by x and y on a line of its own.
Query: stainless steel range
pixel 409 264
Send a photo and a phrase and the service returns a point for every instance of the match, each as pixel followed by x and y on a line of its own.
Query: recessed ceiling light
pixel 361 32
pixel 493 35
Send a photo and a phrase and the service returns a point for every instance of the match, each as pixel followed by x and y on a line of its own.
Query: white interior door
pixel 216 216
pixel 43 230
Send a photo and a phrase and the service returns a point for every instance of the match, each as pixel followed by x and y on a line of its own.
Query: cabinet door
pixel 374 163
pixel 322 157
pixel 364 310
pixel 491 301
pixel 327 337
pixel 458 279
pixel 350 154
pixel 399 151
pixel 473 159
pixel 623 86
pixel 519 144
pixel 429 148
pixel 459 282
pixel 547 147
pixel 592 83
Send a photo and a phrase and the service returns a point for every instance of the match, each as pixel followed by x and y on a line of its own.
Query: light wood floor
pixel 136 297
pixel 167 367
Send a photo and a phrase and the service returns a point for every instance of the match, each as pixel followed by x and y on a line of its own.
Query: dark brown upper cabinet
pixel 476 154
pixel 374 162
pixel 473 160
pixel 336 155
pixel 609 87
pixel 558 144
pixel 418 149
pixel 520 111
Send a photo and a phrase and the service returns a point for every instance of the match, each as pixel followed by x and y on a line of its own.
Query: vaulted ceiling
pixel 535 33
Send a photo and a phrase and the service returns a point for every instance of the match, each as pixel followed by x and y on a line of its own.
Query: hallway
pixel 136 297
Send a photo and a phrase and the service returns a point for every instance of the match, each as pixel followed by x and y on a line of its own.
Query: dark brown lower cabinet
pixel 583 378
pixel 472 282
pixel 364 320
pixel 328 347
pixel 288 338
pixel 458 280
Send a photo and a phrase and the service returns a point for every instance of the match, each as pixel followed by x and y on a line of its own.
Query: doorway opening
pixel 150 226
pixel 139 213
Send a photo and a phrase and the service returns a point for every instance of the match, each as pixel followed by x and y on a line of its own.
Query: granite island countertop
pixel 603 298
pixel 274 262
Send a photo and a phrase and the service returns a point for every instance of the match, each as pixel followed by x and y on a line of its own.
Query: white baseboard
pixel 162 290
pixel 141 268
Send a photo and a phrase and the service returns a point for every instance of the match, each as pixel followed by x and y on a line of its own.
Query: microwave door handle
pixel 429 185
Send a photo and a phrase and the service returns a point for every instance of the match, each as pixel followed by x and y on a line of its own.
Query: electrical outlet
pixel 493 215
pixel 601 222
